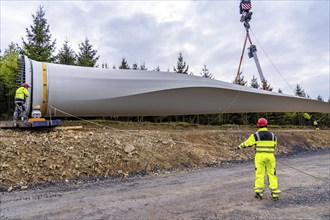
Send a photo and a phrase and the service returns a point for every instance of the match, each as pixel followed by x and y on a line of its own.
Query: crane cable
pixel 270 59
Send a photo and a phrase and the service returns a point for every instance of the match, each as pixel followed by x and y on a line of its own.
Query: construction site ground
pixel 103 169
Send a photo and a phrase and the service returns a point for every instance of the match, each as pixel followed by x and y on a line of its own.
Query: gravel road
pixel 222 192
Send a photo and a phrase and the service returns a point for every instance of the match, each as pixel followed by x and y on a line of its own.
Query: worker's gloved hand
pixel 240 146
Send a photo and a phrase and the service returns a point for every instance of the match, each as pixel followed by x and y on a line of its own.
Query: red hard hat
pixel 26 85
pixel 262 122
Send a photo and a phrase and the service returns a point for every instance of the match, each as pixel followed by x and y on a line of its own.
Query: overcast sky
pixel 292 37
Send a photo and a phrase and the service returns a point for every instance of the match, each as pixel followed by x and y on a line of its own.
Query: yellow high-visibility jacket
pixel 306 116
pixel 264 141
pixel 22 93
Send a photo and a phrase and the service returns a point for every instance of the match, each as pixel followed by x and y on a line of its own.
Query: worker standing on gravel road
pixel 265 143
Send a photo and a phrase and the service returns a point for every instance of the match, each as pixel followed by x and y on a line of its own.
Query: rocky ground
pixel 83 151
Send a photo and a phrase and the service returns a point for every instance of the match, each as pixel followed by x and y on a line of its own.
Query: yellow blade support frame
pixel 44 101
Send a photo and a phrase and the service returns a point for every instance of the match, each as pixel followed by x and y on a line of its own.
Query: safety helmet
pixel 26 85
pixel 262 122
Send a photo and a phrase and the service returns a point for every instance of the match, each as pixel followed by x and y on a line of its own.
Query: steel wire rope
pixel 94 123
pixel 182 142
pixel 142 135
pixel 234 99
pixel 285 164
pixel 270 60
pixel 116 129
pixel 274 65
pixel 228 106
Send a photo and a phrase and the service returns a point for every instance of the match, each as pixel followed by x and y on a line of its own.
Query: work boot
pixel 25 119
pixel 258 196
pixel 275 196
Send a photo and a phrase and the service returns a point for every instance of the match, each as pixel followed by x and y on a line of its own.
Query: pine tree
pixel 135 66
pixel 123 64
pixel 254 83
pixel 87 56
pixel 240 80
pixel 266 86
pixel 181 66
pixel 143 66
pixel 319 98
pixel 298 91
pixel 39 45
pixel 105 65
pixel 206 74
pixel 66 55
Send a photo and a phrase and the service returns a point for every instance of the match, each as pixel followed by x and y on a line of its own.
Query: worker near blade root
pixel 20 109
pixel 308 117
pixel 265 143
pixel 244 9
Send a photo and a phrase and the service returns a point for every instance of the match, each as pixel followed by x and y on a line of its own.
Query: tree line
pixel 39 46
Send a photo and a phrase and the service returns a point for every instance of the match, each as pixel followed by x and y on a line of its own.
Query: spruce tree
pixel 298 91
pixel 39 45
pixel 135 66
pixel 86 56
pixel 240 80
pixel 266 86
pixel 254 83
pixel 206 73
pixel 319 98
pixel 181 66
pixel 105 65
pixel 143 66
pixel 123 64
pixel 66 55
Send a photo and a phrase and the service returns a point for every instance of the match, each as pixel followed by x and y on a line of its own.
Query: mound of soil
pixel 101 149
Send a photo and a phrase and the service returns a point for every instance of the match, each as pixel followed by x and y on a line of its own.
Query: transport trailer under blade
pixel 31 124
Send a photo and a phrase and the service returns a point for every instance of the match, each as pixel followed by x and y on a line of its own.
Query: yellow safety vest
pixel 263 140
pixel 22 93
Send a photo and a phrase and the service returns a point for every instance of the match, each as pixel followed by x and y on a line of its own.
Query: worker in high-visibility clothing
pixel 265 143
pixel 20 109
pixel 309 117
pixel 316 125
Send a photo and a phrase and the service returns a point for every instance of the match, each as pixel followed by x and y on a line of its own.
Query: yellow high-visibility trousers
pixel 265 163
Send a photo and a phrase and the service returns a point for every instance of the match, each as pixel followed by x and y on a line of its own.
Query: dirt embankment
pixel 36 156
